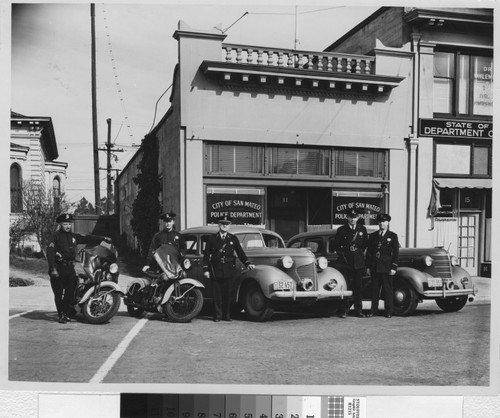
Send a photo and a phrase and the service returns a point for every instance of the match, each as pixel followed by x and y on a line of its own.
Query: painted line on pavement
pixel 19 314
pixel 115 355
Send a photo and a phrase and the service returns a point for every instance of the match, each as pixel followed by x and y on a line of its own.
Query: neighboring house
pixel 450 145
pixel 291 139
pixel 126 190
pixel 33 151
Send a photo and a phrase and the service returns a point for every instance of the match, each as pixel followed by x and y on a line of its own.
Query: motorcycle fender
pixel 169 291
pixel 106 283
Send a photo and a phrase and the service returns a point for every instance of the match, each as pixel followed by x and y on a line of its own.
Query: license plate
pixel 435 282
pixel 283 286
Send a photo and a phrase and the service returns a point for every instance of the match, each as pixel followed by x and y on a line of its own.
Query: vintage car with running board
pixel 284 279
pixel 422 274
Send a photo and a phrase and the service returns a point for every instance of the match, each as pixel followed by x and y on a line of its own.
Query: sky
pixel 135 57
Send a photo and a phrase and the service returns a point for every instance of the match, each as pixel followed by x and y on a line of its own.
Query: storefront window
pixel 359 163
pixel 300 161
pixel 463 159
pixel 462 84
pixel 244 205
pixel 230 159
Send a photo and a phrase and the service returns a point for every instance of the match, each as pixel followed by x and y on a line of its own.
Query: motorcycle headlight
pixel 186 263
pixel 322 263
pixel 287 262
pixel 113 268
pixel 454 260
pixel 428 260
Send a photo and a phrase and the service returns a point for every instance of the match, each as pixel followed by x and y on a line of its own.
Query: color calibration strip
pixel 134 405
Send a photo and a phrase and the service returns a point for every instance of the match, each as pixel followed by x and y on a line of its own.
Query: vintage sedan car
pixel 283 279
pixel 423 273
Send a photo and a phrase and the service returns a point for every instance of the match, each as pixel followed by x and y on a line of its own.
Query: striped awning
pixel 461 183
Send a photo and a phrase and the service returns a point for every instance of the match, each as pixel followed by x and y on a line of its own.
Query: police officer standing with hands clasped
pixel 219 260
pixel 382 256
pixel 350 244
pixel 61 254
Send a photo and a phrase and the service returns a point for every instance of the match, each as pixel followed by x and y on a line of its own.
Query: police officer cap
pixel 352 213
pixel 382 217
pixel 64 217
pixel 225 220
pixel 170 216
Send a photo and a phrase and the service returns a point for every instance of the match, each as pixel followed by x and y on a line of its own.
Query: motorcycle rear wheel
pixel 100 308
pixel 185 309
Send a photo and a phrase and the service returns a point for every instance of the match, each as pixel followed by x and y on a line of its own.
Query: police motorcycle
pixel 168 291
pixel 98 295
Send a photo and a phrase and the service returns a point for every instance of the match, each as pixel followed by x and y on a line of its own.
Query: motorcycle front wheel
pixel 102 306
pixel 186 308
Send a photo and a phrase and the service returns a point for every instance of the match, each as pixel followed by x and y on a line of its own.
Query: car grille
pixel 307 271
pixel 442 265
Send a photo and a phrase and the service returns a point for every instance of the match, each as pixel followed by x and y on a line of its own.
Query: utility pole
pixel 97 187
pixel 108 168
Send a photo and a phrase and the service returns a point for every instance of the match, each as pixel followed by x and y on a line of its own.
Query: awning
pixel 461 183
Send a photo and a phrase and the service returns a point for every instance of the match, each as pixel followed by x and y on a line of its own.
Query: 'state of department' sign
pixel 455 128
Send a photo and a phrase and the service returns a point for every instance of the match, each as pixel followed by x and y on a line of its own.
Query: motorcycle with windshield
pixel 168 291
pixel 98 295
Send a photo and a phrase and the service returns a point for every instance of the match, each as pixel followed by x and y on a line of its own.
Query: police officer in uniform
pixel 61 253
pixel 350 244
pixel 382 256
pixel 219 260
pixel 168 235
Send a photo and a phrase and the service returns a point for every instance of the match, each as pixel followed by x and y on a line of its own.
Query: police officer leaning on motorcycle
pixel 61 253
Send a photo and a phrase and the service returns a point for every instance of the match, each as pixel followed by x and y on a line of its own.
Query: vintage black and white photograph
pixel 252 194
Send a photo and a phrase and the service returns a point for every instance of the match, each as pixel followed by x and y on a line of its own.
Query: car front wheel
pixel 256 304
pixel 453 304
pixel 405 298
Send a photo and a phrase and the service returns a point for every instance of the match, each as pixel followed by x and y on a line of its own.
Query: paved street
pixel 430 348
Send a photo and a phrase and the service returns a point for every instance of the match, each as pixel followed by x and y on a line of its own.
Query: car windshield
pixel 256 240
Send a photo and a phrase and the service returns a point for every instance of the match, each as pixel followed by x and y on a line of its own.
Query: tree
pixel 146 206
pixel 84 207
pixel 39 210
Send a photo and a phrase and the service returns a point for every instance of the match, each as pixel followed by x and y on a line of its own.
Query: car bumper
pixel 333 294
pixel 448 293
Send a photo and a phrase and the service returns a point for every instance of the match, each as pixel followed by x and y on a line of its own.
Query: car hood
pixel 278 252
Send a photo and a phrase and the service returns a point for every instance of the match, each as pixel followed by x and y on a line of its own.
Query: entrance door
pixel 468 242
pixel 286 211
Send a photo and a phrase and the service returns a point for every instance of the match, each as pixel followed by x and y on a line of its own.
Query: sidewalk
pixel 41 297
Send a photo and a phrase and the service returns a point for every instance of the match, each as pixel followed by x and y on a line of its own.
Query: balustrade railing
pixel 288 58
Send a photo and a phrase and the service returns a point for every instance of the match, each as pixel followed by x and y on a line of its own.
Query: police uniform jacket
pixel 172 237
pixel 382 253
pixel 62 248
pixel 220 254
pixel 350 244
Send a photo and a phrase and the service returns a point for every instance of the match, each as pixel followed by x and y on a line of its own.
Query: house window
pixel 16 204
pixel 462 84
pixel 56 190
pixel 468 159
pixel 360 163
pixel 300 161
pixel 234 159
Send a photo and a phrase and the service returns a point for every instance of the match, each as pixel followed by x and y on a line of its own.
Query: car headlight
pixel 113 268
pixel 186 263
pixel 428 260
pixel 454 260
pixel 322 263
pixel 287 262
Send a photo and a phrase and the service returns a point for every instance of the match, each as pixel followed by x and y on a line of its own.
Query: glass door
pixel 468 242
